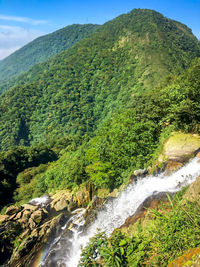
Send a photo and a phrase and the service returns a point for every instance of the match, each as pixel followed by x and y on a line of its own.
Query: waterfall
pixel 66 249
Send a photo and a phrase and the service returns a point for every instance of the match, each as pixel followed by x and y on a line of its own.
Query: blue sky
pixel 23 20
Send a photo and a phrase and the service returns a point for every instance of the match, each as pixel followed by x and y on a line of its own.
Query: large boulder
pixel 63 200
pixel 61 204
pixel 180 147
pixel 37 216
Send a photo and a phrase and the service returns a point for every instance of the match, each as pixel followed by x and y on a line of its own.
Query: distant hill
pixel 43 48
pixel 76 90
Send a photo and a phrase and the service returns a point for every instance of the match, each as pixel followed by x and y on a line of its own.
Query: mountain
pixel 86 123
pixel 43 48
pixel 76 90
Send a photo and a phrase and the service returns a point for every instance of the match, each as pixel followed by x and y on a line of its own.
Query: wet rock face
pixel 138 173
pixel 84 195
pixel 172 166
pixel 151 202
pixel 17 228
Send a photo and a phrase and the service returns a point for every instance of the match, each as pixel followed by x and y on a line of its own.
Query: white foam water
pixel 40 201
pixel 115 212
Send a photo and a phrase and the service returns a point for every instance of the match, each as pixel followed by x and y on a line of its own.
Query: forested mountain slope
pixel 128 140
pixel 43 48
pixel 76 90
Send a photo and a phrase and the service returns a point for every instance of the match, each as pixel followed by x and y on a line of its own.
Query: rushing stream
pixel 65 250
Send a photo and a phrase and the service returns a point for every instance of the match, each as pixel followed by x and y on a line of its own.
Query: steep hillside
pixel 43 48
pixel 130 139
pixel 76 90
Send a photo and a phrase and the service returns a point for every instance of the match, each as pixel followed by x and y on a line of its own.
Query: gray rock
pixel 12 210
pixel 3 218
pixel 140 172
pixel 37 216
pixel 32 224
pixel 29 207
pixel 61 204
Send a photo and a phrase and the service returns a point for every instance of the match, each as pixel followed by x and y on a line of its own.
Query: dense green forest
pixel 100 108
pixel 74 92
pixel 41 49
pixel 93 114
pixel 127 141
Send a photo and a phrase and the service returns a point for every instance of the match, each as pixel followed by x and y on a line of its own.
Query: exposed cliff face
pixel 180 146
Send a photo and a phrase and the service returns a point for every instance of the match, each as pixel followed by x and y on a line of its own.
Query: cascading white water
pixel 115 212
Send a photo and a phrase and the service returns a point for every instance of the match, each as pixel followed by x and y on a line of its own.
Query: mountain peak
pixel 77 89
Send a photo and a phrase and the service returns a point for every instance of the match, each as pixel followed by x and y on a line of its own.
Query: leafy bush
pixel 166 237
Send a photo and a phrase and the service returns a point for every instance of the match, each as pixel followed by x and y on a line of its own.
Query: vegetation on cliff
pixel 169 233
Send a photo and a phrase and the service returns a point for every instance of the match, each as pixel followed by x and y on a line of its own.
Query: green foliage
pixel 127 140
pixel 180 100
pixel 92 252
pixel 9 240
pixel 31 183
pixel 42 49
pixel 161 241
pixel 76 90
pixel 15 161
pixel 98 108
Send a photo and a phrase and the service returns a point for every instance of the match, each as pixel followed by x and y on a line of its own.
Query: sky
pixel 21 21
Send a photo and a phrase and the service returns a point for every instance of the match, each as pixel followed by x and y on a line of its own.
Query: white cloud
pixel 197 33
pixel 4 52
pixel 13 37
pixel 23 19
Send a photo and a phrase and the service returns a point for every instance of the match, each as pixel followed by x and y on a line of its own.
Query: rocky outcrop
pixel 12 210
pixel 193 192
pixel 177 150
pixel 32 241
pixel 62 200
pixel 84 195
pixel 23 229
pixel 180 147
